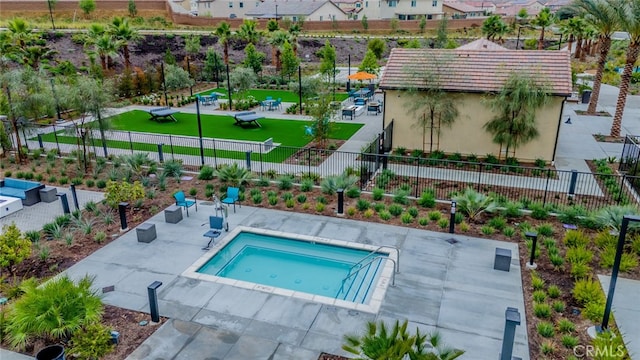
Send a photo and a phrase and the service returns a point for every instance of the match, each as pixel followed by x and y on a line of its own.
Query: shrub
pixel 400 197
pixel 384 215
pixel 497 223
pixel 101 184
pixel 579 255
pixel 351 211
pixel 322 200
pixel 353 193
pixel 434 215
pixel 423 221
pixel 122 191
pixel 458 218
pixel 464 227
pixel 379 207
pixel 363 204
pixel 272 200
pixel 627 261
pixel 593 311
pixel 427 199
pixel 233 175
pixel 611 217
pixel 537 282
pixel 287 196
pixel 15 247
pixel 331 184
pixel 53 310
pixel 100 237
pixel 580 270
pixel 302 198
pixel 538 211
pixel 368 213
pixel 571 214
pixel 569 341
pixel 263 181
pixel 395 209
pixel 556 260
pixel 285 183
pixel 554 291
pixel 377 194
pixel 443 223
pixel 547 348
pixel 257 198
pixel 575 238
pixel 566 327
pixel 542 310
pixel 586 291
pixel 605 239
pixel 472 203
pixel 487 230
pixel 406 218
pixel 413 211
pixel 558 306
pixel 206 172
pixel 539 296
pixel 320 207
pixel 90 183
pixel 545 229
pixel 92 341
pixel 306 185
pixel 545 329
pixel 509 231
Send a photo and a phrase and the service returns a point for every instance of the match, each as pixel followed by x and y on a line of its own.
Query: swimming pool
pixel 325 270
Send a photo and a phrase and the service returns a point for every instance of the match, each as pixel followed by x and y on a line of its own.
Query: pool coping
pixel 385 279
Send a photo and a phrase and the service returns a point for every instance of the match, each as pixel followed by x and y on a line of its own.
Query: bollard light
pixel 248 159
pixel 512 319
pixel 122 210
pixel 160 153
pixel 340 202
pixel 65 203
pixel 74 196
pixel 153 300
pixel 533 236
pixel 452 219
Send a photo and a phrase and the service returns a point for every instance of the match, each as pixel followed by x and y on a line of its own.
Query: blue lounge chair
pixel 360 102
pixel 216 223
pixel 233 197
pixel 181 200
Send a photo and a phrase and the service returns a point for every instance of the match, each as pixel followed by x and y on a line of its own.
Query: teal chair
pixel 216 224
pixel 233 197
pixel 181 200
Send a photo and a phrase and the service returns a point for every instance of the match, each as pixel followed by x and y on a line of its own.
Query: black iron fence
pixel 630 154
pixel 547 186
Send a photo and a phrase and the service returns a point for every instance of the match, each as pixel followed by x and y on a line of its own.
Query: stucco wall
pixel 467 135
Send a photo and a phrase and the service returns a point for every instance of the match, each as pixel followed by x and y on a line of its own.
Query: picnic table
pixel 362 93
pixel 163 113
pixel 349 111
pixel 247 117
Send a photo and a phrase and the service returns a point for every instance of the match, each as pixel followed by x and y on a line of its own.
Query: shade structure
pixel 362 75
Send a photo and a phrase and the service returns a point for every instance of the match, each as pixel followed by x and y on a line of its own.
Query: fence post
pixel 171 144
pixel 55 135
pixel 309 153
pixel 546 187
pixel 215 155
pixel 247 156
pixel 160 153
pixel 479 176
pixel 40 142
pixel 572 182
pixel 621 188
pixel 261 169
pixel 417 175
pixel 130 141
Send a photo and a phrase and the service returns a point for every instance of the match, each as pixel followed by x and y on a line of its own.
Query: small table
pixel 373 107
pixel 349 111
pixel 9 205
pixel 269 104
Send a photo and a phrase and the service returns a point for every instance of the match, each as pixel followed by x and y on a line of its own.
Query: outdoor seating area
pixel 206 100
pixel 163 114
pixel 271 104
pixel 351 111
pixel 27 191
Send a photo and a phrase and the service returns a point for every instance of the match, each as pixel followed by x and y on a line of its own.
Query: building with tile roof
pixel 482 44
pixel 318 10
pixel 470 76
pixel 457 10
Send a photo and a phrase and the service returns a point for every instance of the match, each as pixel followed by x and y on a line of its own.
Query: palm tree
pixel 248 32
pixel 515 107
pixel 573 28
pixel 494 27
pixel 544 19
pixel 295 30
pixel 604 18
pixel 124 34
pixel 629 14
pixel 277 40
pixel 223 32
pixel 106 47
pixel 20 32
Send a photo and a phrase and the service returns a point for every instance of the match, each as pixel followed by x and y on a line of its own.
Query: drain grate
pixel 452 241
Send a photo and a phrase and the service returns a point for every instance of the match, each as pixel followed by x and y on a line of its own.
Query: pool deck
pixel 449 287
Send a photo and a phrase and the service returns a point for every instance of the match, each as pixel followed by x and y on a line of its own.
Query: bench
pixel 27 191
pixel 163 113
pixel 247 117
pixel 173 214
pixel 146 232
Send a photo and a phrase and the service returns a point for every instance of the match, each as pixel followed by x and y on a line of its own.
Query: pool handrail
pixel 397 268
pixel 393 275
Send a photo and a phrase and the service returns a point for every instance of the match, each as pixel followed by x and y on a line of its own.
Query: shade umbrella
pixel 362 75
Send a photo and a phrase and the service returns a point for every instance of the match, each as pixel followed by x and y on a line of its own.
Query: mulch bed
pixel 598 113
pixel 608 138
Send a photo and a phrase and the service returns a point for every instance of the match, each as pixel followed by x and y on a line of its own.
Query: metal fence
pixel 630 154
pixel 390 172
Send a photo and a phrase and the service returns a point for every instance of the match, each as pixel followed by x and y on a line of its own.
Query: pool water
pixel 297 265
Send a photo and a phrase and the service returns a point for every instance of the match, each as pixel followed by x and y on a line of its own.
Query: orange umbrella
pixel 362 75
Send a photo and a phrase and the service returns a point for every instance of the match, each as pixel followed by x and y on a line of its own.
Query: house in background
pixel 470 75
pixel 351 7
pixel 457 10
pixel 488 7
pixel 512 8
pixel 481 44
pixel 320 10
pixel 401 9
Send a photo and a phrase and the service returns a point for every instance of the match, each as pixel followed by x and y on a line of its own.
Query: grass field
pixel 261 94
pixel 290 133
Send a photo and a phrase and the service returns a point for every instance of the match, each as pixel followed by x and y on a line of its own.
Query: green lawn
pixel 261 94
pixel 286 132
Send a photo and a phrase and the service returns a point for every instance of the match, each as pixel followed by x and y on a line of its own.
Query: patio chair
pixel 278 104
pixel 216 224
pixel 233 197
pixel 181 200
pixel 360 102
pixel 269 98
pixel 263 105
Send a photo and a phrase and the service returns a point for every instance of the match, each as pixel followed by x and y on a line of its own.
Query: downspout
pixel 555 146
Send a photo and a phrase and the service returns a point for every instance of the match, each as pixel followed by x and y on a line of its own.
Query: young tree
pixel 52 6
pixel 277 39
pixel 14 247
pixel 441 35
pixel 272 25
pixel 378 46
pixel 248 32
pixel 289 61
pixel 494 27
pixel 253 58
pixel 422 24
pixel 176 77
pixel 369 63
pixel 365 22
pixel 321 112
pixel 123 34
pixel 213 65
pixel 242 79
pixel 133 9
pixel 515 107
pixel 87 6
pixel 602 15
pixel 328 63
pixel 311 87
pixel 629 14
pixel 544 19
pixel 523 15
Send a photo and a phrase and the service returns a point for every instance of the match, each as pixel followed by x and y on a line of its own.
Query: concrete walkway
pixel 625 311
pixel 450 287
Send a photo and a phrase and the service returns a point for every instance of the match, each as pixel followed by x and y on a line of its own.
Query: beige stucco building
pixel 471 76
pixel 321 10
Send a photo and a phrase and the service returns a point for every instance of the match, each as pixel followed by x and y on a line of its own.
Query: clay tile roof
pixel 481 44
pixel 462 7
pixel 476 70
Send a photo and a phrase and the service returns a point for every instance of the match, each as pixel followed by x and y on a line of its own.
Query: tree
pixel 432 107
pixel 253 58
pixel 573 29
pixel 14 247
pixel 311 87
pixel 523 14
pixel 378 46
pixel 321 112
pixel 176 77
pixel 441 34
pixel 277 39
pixel 629 13
pixel 422 24
pixel 494 27
pixel 124 34
pixel 223 32
pixel 52 6
pixel 242 79
pixel 87 6
pixel 132 8
pixel 192 46
pixel 544 19
pixel 328 63
pixel 515 107
pixel 369 63
pixel 289 61
pixel 601 14
pixel 294 32
pixel 272 25
pixel 213 64
pixel 365 23
pixel 248 32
